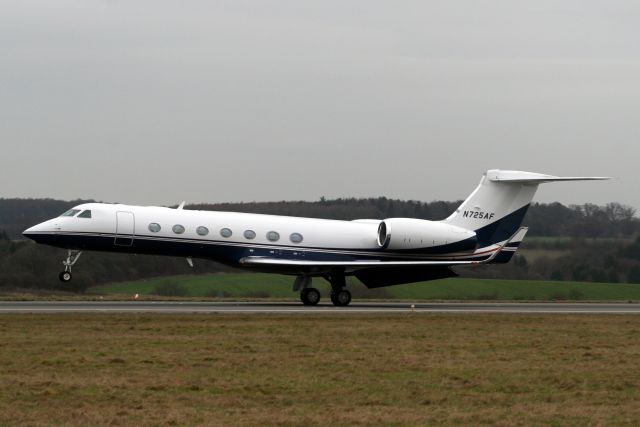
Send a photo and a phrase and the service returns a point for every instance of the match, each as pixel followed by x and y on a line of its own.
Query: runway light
pixel 413 307
pixel 136 296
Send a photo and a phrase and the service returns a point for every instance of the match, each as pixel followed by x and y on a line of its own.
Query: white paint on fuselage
pixel 319 233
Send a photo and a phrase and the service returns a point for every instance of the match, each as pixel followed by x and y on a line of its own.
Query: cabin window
pixel 249 234
pixel 178 229
pixel 71 212
pixel 273 236
pixel 225 232
pixel 202 231
pixel 154 227
pixel 295 237
pixel 85 214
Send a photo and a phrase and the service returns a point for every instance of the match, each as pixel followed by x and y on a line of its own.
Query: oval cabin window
pixel 178 229
pixel 296 237
pixel 273 236
pixel 225 232
pixel 154 227
pixel 249 234
pixel 202 231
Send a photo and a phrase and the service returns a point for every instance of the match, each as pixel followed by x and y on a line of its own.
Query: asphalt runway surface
pixel 297 308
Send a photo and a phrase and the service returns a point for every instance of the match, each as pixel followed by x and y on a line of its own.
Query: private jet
pixel 484 229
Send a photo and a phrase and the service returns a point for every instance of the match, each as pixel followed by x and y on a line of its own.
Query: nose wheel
pixel 65 276
pixel 72 257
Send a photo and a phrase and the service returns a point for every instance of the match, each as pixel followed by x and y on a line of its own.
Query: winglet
pixel 519 234
pixel 181 205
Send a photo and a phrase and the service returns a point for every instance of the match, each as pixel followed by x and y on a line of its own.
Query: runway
pixel 298 308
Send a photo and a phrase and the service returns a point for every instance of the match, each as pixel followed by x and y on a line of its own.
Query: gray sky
pixel 153 102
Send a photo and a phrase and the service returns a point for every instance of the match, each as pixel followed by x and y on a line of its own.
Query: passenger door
pixel 125 228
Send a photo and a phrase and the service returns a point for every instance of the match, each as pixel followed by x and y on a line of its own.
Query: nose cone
pixel 36 231
pixel 30 232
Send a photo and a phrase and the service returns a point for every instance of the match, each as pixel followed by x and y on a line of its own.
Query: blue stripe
pixel 501 230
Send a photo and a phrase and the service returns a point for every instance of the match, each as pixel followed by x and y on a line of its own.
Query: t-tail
pixel 496 208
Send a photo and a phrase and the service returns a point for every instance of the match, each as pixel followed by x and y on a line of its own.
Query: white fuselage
pixel 230 236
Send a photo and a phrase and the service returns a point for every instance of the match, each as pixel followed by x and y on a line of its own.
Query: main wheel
pixel 310 296
pixel 341 298
pixel 65 276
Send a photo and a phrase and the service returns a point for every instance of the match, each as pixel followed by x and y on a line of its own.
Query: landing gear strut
pixel 72 257
pixel 340 296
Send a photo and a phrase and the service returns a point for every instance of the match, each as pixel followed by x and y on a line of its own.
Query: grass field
pixel 247 285
pixel 413 369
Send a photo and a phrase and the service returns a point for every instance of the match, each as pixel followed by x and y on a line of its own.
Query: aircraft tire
pixel 310 296
pixel 65 276
pixel 341 298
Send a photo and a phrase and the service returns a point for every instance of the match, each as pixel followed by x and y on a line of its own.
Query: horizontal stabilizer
pixel 535 178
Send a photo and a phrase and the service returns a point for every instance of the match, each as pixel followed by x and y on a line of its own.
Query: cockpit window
pixel 85 214
pixel 71 212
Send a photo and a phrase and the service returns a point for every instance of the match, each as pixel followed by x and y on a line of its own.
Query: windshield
pixel 71 212
pixel 85 214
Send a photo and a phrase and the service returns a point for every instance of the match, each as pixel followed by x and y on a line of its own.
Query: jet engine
pixel 414 234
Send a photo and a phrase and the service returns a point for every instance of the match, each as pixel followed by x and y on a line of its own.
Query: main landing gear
pixel 308 295
pixel 340 296
pixel 72 257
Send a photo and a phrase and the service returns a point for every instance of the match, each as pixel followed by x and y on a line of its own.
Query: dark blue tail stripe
pixel 501 230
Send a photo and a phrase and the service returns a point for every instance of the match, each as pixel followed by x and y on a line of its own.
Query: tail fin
pixel 496 208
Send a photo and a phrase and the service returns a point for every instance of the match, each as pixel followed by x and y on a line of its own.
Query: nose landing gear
pixel 65 276
pixel 72 257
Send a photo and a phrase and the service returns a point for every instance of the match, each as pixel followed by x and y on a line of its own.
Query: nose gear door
pixel 125 228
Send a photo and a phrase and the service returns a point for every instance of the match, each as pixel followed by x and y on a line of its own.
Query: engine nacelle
pixel 414 234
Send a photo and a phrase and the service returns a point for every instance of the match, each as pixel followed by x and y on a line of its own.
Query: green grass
pixel 319 370
pixel 247 285
pixel 212 285
pixel 488 289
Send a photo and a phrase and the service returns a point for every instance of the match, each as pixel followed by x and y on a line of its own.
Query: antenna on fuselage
pixel 181 205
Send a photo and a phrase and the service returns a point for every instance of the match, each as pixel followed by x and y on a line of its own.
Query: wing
pixel 277 262
pixel 256 260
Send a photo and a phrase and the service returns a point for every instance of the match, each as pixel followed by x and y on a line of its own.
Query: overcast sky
pixel 154 102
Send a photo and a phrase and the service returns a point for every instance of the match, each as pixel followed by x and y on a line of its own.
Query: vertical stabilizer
pixel 496 208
